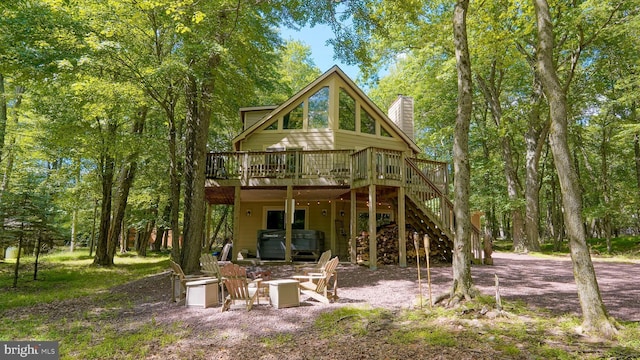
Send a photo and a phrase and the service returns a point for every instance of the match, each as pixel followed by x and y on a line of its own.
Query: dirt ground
pixel 235 334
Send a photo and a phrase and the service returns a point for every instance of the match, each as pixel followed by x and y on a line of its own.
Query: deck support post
pixel 353 223
pixel 402 232
pixel 236 224
pixel 333 243
pixel 373 248
pixel 289 215
pixel 402 213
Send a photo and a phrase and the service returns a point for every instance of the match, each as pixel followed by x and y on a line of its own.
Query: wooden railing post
pixel 245 167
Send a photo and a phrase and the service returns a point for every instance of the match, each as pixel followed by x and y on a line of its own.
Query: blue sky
pixel 321 53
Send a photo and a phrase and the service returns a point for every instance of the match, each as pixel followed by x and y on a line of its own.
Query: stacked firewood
pixel 388 252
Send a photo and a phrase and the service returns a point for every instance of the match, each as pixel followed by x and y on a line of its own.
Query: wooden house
pixel 323 167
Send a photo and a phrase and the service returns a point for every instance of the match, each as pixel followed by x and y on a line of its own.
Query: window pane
pixel 319 109
pixel 275 219
pixel 384 132
pixel 347 111
pixel 367 124
pixel 273 126
pixel 298 219
pixel 293 120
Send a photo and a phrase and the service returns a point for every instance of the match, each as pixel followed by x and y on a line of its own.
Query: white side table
pixel 202 293
pixel 284 293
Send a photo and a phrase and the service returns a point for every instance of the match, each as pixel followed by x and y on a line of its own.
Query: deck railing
pixel 370 163
pixel 434 200
pixel 245 165
pixel 429 196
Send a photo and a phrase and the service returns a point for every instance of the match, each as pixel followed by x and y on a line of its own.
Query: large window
pixel 367 123
pixel 319 109
pixel 347 111
pixel 276 218
pixel 294 119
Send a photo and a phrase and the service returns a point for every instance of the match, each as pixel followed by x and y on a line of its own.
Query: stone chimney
pixel 401 113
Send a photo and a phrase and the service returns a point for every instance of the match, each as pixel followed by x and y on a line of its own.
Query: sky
pixel 321 53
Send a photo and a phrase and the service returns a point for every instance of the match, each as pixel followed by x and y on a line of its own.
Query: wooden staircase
pixel 429 211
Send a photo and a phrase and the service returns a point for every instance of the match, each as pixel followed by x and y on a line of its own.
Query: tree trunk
pixel 604 181
pixel 107 169
pixel 491 91
pixel 463 283
pixel 535 140
pixel 197 130
pixel 37 255
pixel 157 244
pixel 144 239
pixel 74 222
pixel 124 239
pixel 102 255
pixel 123 186
pixel 3 115
pixel 223 218
pixel 175 169
pixel 17 267
pixel 555 215
pixel 636 151
pixel 595 317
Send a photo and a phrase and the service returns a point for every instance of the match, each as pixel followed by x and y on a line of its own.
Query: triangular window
pixel 347 111
pixel 367 123
pixel 294 119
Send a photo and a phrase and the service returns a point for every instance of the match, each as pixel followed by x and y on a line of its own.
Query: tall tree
pixel 463 284
pixel 595 317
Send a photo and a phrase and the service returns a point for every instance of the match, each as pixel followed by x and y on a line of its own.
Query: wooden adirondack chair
pixel 322 287
pixel 317 267
pixel 235 280
pixel 211 267
pixel 178 274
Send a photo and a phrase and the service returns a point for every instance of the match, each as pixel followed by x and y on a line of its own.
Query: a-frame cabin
pixel 316 171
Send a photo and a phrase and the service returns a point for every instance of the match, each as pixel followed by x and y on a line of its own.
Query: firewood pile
pixel 388 251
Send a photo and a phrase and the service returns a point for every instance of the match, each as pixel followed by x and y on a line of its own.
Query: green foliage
pixel 349 319
pixel 277 340
pixel 424 336
pixel 64 275
pixel 625 246
pixel 76 74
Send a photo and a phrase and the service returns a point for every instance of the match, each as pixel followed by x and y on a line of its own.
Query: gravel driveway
pixel 539 282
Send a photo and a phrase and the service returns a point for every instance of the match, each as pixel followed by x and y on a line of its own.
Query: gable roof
pixel 335 70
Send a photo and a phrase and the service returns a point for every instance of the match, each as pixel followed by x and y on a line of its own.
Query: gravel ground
pixel 236 334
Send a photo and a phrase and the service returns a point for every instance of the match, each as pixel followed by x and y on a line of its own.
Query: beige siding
pixel 401 113
pixel 351 140
pixel 307 140
pixel 248 236
pixel 253 117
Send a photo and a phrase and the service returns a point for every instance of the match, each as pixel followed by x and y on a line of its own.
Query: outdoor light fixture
pixel 248 212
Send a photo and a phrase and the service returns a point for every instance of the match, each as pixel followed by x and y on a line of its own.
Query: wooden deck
pixel 333 173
